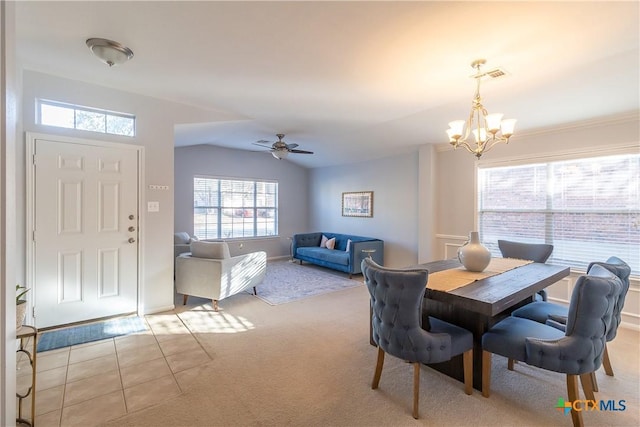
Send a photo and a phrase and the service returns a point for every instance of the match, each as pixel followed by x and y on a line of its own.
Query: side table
pixel 368 252
pixel 23 334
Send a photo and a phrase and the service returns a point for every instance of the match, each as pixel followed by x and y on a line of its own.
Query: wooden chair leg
pixel 606 362
pixel 215 305
pixel 416 389
pixel 486 373
pixel 510 364
pixel 378 372
pixel 467 363
pixel 572 391
pixel 594 381
pixel 587 386
pixel 184 299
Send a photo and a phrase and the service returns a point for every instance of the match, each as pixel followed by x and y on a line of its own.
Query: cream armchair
pixel 209 271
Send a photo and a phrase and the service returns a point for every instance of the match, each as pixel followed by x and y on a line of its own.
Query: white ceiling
pixel 350 81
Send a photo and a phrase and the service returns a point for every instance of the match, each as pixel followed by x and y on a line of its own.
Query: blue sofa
pixel 306 247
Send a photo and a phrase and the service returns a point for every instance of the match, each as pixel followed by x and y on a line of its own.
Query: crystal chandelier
pixel 487 129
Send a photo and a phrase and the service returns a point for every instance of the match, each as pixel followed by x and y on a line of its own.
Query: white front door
pixel 86 232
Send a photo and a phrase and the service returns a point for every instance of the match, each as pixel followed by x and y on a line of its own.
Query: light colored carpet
pixel 287 281
pixel 309 363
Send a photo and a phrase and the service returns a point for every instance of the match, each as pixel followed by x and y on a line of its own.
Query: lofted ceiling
pixel 350 81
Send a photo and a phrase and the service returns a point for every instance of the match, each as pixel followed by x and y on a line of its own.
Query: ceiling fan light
pixel 110 52
pixel 280 154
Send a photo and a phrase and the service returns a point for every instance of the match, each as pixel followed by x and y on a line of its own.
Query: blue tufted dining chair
pixel 556 314
pixel 396 299
pixel 577 352
pixel 536 252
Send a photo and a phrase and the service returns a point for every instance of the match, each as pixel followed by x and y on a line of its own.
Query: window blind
pixel 588 209
pixel 233 208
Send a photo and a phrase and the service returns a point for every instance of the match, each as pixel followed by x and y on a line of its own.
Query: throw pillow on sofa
pixel 331 243
pixel 181 238
pixel 323 241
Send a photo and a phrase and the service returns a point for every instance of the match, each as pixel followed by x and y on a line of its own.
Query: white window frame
pixel 222 210
pixel 547 158
pixel 80 108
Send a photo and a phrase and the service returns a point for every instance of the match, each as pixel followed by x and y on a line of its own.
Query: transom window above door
pixel 60 114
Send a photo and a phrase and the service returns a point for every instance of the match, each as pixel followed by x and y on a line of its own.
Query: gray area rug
pixel 81 334
pixel 287 281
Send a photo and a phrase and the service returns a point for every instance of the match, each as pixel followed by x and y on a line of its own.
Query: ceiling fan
pixel 280 149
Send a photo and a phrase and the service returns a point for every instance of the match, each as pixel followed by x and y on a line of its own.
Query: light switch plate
pixel 153 206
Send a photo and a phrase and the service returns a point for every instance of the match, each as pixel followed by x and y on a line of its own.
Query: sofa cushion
pixel 213 250
pixel 181 238
pixel 324 254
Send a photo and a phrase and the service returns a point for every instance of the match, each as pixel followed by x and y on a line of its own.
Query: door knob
pixel 131 240
pixel 132 229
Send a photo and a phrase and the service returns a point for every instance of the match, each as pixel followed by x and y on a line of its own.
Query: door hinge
pixel 34 235
pixel 33 312
pixel 33 159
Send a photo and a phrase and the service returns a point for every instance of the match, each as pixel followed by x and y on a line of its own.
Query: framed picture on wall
pixel 357 203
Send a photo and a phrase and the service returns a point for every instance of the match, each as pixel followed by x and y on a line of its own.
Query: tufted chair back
pixel 536 252
pixel 623 271
pixel 396 298
pixel 590 310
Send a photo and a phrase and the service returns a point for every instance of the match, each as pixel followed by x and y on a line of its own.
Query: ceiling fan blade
pixel 262 141
pixel 292 146
pixel 301 152
pixel 259 144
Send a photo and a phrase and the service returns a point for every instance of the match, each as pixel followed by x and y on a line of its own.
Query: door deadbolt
pixel 131 240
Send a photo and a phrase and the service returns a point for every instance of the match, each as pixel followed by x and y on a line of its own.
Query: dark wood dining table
pixel 482 303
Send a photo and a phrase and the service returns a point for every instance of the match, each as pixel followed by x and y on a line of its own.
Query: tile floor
pixel 88 384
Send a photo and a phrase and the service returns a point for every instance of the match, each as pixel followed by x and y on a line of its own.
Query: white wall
pixel 155 120
pixel 394 182
pixel 293 202
pixel 9 120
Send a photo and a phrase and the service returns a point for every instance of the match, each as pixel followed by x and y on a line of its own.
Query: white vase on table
pixel 473 255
